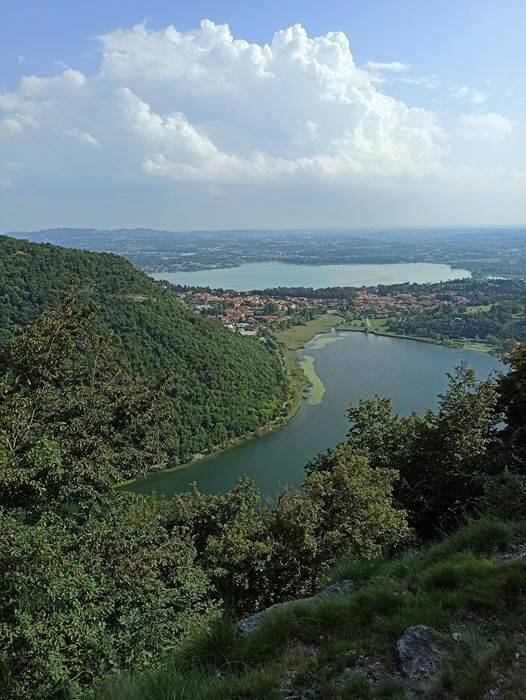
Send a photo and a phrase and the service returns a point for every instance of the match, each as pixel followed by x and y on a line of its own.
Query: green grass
pixel 381 325
pixel 169 683
pixel 480 347
pixel 356 687
pixel 453 585
pixel 357 324
pixel 482 308
pixel 295 337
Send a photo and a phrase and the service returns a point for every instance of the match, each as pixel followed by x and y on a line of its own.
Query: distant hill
pixel 226 385
pixel 490 251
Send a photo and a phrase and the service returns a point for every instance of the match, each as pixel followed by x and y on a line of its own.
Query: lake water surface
pixel 351 366
pixel 274 274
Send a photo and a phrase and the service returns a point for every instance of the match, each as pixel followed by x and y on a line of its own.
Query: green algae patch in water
pixel 317 388
pixel 320 343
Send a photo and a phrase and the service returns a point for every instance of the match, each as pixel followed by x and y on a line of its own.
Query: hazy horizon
pixel 283 116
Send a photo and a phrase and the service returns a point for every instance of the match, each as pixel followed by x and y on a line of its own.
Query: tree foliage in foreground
pixel 441 457
pixel 512 393
pixel 468 455
pixel 86 594
pixel 73 423
pixel 94 579
pixel 257 554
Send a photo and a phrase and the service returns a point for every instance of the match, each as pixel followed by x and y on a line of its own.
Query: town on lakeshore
pixel 486 315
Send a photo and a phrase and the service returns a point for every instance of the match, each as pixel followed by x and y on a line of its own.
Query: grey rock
pixel 252 623
pixel 338 588
pixel 421 654
pixel 517 550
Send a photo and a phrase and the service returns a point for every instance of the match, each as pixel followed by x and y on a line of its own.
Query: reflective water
pixel 353 366
pixel 273 274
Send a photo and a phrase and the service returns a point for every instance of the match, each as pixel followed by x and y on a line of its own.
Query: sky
pixel 275 114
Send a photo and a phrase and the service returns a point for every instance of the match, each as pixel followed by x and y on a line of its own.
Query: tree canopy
pixel 224 385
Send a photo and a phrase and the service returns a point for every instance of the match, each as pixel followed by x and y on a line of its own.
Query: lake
pixel 350 366
pixel 274 274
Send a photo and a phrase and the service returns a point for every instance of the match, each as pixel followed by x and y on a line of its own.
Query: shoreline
pixel 430 341
pixel 308 263
pixel 299 383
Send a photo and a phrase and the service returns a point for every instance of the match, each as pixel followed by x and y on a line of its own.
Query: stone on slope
pixel 421 654
pixel 252 623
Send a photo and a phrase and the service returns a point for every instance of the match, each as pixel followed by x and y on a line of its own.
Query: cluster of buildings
pixel 370 303
pixel 253 314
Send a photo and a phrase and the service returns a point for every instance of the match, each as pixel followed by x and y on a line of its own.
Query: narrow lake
pixel 274 274
pixel 350 366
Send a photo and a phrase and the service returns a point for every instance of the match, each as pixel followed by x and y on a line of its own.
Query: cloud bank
pixel 202 109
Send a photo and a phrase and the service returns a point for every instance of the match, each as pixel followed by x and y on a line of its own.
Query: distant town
pixel 254 313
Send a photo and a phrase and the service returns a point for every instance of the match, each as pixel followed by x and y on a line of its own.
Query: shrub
pixel 90 594
pixel 346 510
pixel 505 496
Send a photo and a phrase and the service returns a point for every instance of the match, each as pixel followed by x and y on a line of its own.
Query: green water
pixel 273 274
pixel 356 366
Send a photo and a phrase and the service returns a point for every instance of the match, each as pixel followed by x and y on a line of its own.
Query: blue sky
pixel 419 121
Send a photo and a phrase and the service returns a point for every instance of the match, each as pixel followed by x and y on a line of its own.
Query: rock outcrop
pixel 252 623
pixel 421 654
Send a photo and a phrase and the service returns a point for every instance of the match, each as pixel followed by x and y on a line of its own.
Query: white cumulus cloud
pixel 486 127
pixel 204 106
pixel 464 92
pixel 84 137
pixel 392 66
pixel 203 111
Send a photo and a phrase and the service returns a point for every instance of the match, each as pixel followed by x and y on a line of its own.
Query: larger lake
pixel 351 366
pixel 274 274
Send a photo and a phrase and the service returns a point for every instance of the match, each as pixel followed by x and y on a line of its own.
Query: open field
pixel 381 325
pixel 357 324
pixel 481 347
pixel 295 338
pixel 484 308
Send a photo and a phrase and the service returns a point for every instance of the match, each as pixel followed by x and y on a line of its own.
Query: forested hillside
pixel 225 385
pixel 97 581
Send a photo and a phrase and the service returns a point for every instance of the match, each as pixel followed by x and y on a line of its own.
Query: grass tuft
pixel 357 569
pixel 356 687
pixel 214 645
pixel 390 689
pixel 480 536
